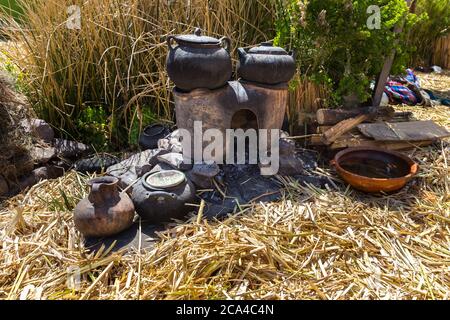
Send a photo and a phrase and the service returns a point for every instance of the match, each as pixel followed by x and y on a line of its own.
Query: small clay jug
pixel 105 211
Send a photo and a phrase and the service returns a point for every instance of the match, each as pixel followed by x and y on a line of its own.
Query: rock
pixel 39 174
pixel 200 182
pixel 42 155
pixel 70 149
pixel 48 172
pixel 161 167
pixel 27 181
pixel 287 146
pixel 131 169
pixel 206 170
pixel 96 163
pixel 202 175
pixel 171 143
pixel 290 166
pixel 297 163
pixel 164 144
pixel 39 129
pixel 4 187
pixel 175 160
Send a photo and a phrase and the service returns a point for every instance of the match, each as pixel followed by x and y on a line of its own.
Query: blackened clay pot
pixel 105 211
pixel 166 201
pixel 151 135
pixel 266 64
pixel 198 61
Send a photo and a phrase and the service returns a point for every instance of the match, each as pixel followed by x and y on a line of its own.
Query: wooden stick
pixel 332 134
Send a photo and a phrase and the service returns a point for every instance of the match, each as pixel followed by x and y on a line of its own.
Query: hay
pixel 314 244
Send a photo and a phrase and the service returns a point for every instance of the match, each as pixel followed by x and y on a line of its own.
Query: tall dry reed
pixel 116 61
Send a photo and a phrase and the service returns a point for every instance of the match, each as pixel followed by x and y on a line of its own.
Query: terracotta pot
pixel 198 61
pixel 374 170
pixel 165 201
pixel 106 211
pixel 266 64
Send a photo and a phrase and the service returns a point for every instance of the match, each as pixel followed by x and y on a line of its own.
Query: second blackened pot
pixel 266 64
pixel 162 196
pixel 198 61
pixel 151 135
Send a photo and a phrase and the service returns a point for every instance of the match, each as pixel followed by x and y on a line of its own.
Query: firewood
pixel 332 134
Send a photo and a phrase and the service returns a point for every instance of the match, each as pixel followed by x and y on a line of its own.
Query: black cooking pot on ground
pixel 162 196
pixel 151 135
pixel 198 61
pixel 266 64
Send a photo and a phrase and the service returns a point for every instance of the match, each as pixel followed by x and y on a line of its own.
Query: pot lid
pixel 165 179
pixel 268 48
pixel 197 38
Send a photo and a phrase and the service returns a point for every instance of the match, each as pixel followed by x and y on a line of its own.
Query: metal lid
pixel 165 179
pixel 268 48
pixel 197 38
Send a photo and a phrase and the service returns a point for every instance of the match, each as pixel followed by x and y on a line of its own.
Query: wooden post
pixel 384 75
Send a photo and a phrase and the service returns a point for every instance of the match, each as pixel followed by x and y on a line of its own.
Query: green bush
pixel 334 44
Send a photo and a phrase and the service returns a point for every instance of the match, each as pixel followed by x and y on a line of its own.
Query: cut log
pixel 332 134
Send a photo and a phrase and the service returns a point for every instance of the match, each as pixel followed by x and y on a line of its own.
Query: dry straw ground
pixel 315 244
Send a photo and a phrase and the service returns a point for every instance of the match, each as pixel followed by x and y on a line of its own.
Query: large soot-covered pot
pixel 162 196
pixel 266 64
pixel 198 61
pixel 105 211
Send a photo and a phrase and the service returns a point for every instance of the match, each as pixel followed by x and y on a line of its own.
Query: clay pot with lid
pixel 195 61
pixel 162 196
pixel 266 64
pixel 105 211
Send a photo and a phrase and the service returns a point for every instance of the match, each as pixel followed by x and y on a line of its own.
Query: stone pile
pixel 50 157
pixel 240 183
